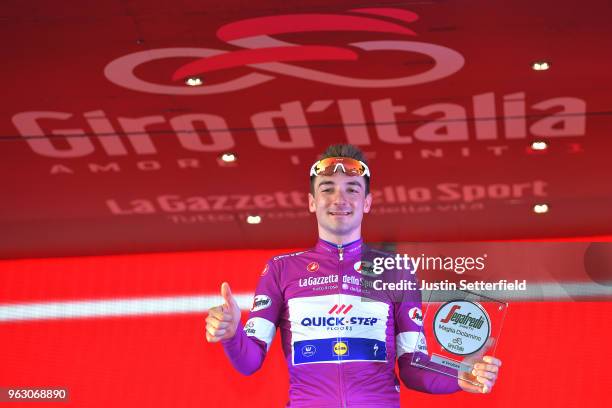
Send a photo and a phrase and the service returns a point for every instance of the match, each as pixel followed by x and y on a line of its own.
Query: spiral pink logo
pixel 270 57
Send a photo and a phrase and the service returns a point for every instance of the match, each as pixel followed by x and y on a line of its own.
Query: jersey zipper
pixel 340 365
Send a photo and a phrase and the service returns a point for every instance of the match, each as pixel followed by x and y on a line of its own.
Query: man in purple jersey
pixel 340 337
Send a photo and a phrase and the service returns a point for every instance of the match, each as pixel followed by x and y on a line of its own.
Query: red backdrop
pixel 554 353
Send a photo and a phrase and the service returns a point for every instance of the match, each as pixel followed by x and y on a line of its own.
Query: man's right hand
pixel 222 321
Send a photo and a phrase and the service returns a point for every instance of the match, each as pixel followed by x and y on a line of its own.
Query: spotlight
pixel 540 66
pixel 539 145
pixel 229 157
pixel 253 219
pixel 194 81
pixel 540 208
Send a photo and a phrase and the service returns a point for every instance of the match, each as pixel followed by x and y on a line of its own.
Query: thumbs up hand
pixel 223 321
pixel 484 371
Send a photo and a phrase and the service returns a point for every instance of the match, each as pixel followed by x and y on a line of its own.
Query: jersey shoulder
pixel 289 255
pixel 370 253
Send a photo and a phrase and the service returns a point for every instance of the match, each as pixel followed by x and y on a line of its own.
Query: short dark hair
pixel 343 150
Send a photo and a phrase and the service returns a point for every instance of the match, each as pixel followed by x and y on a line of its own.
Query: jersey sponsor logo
pixel 261 328
pixel 334 350
pixel 422 344
pixel 340 309
pixel 324 320
pixel 312 267
pixel 276 258
pixel 338 322
pixel 309 350
pixel 320 280
pixel 261 302
pixel 249 328
pixel 416 316
pixel 340 348
pixel 364 268
pixel 357 284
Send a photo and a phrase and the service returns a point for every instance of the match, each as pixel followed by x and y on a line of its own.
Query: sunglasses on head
pixel 350 167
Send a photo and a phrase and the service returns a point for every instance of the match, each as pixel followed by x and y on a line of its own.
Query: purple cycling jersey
pixel 340 337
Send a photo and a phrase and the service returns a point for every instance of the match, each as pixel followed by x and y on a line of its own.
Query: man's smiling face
pixel 339 202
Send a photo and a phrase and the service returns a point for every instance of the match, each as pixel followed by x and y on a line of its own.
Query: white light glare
pixel 194 81
pixel 539 145
pixel 540 66
pixel 540 208
pixel 228 157
pixel 253 219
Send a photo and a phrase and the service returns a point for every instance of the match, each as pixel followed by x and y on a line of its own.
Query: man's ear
pixel 312 207
pixel 367 204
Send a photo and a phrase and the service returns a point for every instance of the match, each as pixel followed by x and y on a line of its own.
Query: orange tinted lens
pixel 327 167
pixel 324 167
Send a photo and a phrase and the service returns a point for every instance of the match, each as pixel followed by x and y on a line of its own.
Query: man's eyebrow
pixel 354 183
pixel 327 182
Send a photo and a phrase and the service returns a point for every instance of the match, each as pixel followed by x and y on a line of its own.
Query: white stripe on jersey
pixel 406 342
pixel 260 328
pixel 356 317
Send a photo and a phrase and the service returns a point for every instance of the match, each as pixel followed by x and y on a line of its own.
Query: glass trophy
pixel 459 327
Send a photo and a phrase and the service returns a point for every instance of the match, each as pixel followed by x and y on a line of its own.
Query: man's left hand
pixel 484 372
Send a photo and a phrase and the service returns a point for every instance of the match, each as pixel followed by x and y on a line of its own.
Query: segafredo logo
pixel 268 56
pixel 416 316
pixel 462 327
pixel 261 302
pixel 365 268
pixel 465 319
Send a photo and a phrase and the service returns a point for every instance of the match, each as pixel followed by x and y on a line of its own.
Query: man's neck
pixel 339 245
pixel 340 239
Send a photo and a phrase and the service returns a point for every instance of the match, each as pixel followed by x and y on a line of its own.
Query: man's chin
pixel 344 225
pixel 341 229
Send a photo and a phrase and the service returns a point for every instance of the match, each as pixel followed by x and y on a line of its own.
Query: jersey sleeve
pixel 408 318
pixel 248 348
pixel 408 340
pixel 267 306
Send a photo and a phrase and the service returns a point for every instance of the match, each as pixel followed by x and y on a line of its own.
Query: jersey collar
pixel 331 248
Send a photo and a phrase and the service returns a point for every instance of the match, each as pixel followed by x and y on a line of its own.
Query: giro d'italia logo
pixel 269 57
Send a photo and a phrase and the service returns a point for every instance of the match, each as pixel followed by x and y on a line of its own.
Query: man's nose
pixel 339 197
